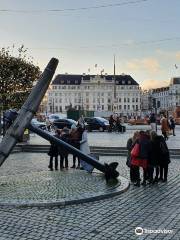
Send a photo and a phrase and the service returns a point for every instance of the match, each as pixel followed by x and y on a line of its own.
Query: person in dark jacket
pixel 154 157
pixel 64 136
pixel 53 153
pixel 172 125
pixel 164 160
pixel 152 121
pixel 160 157
pixel 75 137
pixel 134 170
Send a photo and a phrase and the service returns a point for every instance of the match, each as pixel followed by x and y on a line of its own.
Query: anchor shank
pixel 70 148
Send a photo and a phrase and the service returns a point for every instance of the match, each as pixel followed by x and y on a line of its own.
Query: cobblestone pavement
pixel 54 188
pixel 105 139
pixel 151 207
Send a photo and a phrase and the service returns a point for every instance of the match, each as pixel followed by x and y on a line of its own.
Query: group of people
pixel 148 151
pixel 116 124
pixel 167 125
pixel 77 137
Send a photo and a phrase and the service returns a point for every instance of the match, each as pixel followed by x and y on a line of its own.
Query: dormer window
pixel 129 82
pixel 123 82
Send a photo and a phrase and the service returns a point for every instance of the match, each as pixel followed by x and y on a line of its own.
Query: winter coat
pixel 62 150
pixel 172 123
pixel 75 137
pixel 142 160
pixel 160 153
pixel 152 118
pixel 129 146
pixel 164 125
pixel 84 147
pixel 53 151
pixel 145 147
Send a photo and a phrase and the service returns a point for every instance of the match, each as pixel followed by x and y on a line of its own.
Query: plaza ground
pixel 151 207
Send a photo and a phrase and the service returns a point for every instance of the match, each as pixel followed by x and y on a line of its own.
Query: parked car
pixel 55 116
pixel 96 123
pixel 38 124
pixel 61 123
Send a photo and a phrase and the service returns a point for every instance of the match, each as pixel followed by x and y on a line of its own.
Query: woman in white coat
pixel 84 147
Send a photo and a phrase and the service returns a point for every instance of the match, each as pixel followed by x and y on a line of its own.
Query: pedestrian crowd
pixel 149 151
pixel 77 137
pixel 167 125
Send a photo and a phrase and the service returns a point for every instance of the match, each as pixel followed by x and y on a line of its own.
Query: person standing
pixel 143 147
pixel 152 121
pixel 75 137
pixel 53 153
pixel 172 125
pixel 164 160
pixel 134 170
pixel 63 152
pixel 165 127
pixel 155 155
pixel 84 147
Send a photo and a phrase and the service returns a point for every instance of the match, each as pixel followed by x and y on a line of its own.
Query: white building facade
pixel 95 93
pixel 162 99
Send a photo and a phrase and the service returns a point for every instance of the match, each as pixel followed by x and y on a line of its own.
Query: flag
pixel 95 65
pixel 176 66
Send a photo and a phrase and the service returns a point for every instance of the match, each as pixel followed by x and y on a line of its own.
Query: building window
pixel 124 99
pixel 136 99
pixel 124 107
pixel 119 99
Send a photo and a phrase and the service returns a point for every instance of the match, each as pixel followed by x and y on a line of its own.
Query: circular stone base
pixel 48 188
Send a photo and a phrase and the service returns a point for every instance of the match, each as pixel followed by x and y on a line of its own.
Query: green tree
pixel 17 76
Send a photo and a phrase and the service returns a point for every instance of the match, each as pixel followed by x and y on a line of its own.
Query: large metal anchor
pixel 25 116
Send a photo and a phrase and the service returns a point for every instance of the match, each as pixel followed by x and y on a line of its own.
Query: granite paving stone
pixel 150 207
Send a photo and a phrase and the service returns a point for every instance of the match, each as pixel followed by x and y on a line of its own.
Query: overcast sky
pixel 143 34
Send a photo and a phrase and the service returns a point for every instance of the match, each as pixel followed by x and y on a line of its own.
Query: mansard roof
pixel 76 79
pixel 162 89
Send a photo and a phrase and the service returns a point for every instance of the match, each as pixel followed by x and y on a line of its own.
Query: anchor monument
pixel 23 121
